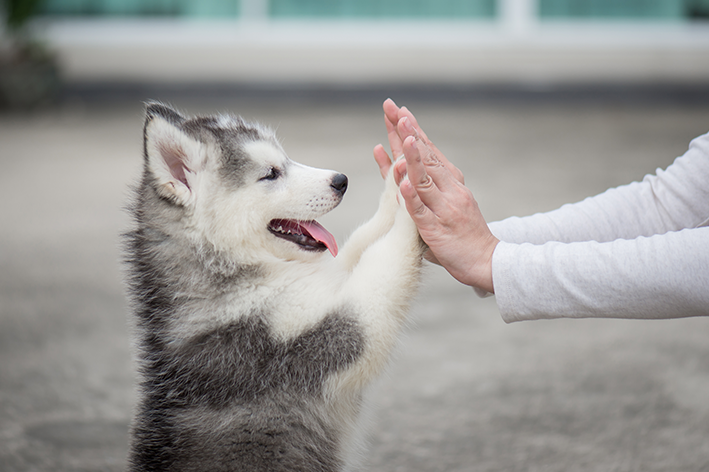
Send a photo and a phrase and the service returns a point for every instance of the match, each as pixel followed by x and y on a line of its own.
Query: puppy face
pixel 236 189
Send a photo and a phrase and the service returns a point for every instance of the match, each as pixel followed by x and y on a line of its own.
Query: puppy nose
pixel 339 183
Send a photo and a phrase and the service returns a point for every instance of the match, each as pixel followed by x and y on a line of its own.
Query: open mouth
pixel 309 235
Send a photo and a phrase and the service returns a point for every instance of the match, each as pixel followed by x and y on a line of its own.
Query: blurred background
pixel 539 102
pixel 356 43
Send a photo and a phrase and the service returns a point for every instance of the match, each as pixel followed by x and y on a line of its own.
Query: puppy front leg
pixel 381 289
pixel 373 229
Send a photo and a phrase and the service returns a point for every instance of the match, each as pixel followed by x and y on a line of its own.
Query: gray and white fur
pixel 253 343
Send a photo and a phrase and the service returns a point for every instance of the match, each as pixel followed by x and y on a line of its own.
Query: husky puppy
pixel 253 343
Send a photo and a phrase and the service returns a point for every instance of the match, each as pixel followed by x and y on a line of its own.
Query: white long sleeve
pixel 637 251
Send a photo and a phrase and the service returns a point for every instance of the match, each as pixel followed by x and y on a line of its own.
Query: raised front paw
pixel 391 188
pixel 390 198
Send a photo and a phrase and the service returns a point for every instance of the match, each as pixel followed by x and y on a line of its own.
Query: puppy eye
pixel 272 174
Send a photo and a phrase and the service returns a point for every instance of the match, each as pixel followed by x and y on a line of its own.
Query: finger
pixel 391 110
pixel 455 172
pixel 406 113
pixel 382 159
pixel 399 171
pixel 394 114
pixel 416 169
pixel 430 178
pixel 436 168
pixel 422 215
pixel 394 139
pixel 407 127
pixel 390 120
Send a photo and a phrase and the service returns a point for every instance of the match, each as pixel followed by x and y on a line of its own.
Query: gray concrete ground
pixel 465 392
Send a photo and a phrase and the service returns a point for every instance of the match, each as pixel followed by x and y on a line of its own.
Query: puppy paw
pixel 390 185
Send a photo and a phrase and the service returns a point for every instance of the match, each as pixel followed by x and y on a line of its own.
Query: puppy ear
pixel 173 157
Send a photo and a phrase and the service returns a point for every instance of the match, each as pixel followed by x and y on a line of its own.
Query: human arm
pixel 663 276
pixel 636 251
pixel 649 276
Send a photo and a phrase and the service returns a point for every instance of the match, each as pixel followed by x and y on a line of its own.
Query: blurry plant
pixel 19 41
pixel 28 71
pixel 17 12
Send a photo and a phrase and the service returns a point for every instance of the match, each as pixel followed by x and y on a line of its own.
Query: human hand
pixel 444 210
pixel 392 115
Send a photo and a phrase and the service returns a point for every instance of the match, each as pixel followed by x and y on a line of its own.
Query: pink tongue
pixel 320 234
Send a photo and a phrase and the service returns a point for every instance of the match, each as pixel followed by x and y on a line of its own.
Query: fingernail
pixel 406 124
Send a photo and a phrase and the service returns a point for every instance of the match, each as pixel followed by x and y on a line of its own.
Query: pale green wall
pixel 462 9
pixel 384 8
pixel 197 8
pixel 612 8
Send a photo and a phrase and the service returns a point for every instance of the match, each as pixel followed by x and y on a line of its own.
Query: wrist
pixel 481 272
